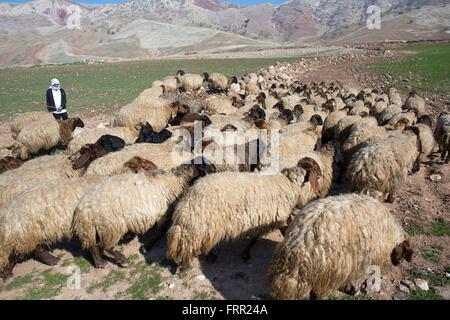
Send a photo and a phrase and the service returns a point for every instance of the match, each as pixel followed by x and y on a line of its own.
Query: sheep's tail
pixel 178 244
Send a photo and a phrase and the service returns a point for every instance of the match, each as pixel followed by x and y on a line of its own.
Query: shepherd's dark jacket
pixel 51 102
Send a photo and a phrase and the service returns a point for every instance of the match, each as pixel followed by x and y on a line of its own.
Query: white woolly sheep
pixel 23 119
pixel 44 135
pixel 32 172
pixel 331 243
pixel 230 206
pixel 137 203
pixel 40 216
pixel 189 82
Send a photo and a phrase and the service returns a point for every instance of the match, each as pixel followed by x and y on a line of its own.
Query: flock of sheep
pixel 165 163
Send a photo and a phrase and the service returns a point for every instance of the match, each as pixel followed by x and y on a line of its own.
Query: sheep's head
pixel 203 167
pixel 21 151
pixel 138 164
pixel 9 163
pixel 180 73
pixel 313 173
pixel 233 80
pixel 86 156
pixel 205 76
pixel 316 120
pixel 401 252
pixel 426 120
pixel 279 106
pixel 287 116
pixel 74 123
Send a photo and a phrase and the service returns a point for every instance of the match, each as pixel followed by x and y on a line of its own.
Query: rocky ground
pixel 422 207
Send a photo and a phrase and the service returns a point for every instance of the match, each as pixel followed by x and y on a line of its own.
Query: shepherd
pixel 56 100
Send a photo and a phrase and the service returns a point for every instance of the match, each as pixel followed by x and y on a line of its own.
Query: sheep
pixel 442 135
pixel 44 135
pixel 217 82
pixel 416 103
pixel 220 106
pixel 148 135
pixel 252 88
pixel 330 123
pixel 164 155
pixel 90 152
pixel 138 202
pixel 188 82
pixel 158 114
pixel 90 136
pixel 343 127
pixel 238 158
pixel 331 243
pixel 9 163
pixel 378 107
pixel 40 216
pixel 21 120
pixel 169 84
pixel 262 203
pixel 381 165
pixel 360 132
pixel 35 171
pixel 426 137
pixel 292 143
pixel 389 112
pixel 394 97
pixel 409 116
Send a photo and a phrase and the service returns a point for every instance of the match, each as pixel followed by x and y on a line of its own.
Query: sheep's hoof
pixel 391 198
pixel 46 257
pixel 100 264
pixel 211 257
pixel 121 260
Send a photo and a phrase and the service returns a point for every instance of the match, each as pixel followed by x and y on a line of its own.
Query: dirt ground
pixel 422 207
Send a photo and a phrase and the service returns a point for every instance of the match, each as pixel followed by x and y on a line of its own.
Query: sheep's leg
pixel 185 265
pixel 391 197
pixel 119 257
pixel 246 253
pixel 7 272
pixel 45 256
pixel 97 256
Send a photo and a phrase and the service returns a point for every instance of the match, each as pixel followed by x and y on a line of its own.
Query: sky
pixel 242 2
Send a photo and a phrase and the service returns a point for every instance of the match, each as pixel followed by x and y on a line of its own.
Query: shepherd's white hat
pixel 54 81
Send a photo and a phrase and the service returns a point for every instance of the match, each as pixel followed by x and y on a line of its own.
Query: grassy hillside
pixel 427 71
pixel 104 85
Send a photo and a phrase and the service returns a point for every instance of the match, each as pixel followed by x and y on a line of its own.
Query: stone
pixel 435 177
pixel 200 277
pixel 409 284
pixel 403 288
pixel 172 286
pixel 422 284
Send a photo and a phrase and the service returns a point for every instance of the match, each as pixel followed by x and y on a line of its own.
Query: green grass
pixel 18 282
pixel 107 282
pixel 420 294
pixel 148 281
pixel 432 254
pixel 84 264
pixel 428 71
pixel 106 85
pixel 46 286
pixel 435 280
pixel 439 228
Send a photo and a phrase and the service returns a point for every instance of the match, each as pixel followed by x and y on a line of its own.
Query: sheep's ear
pixel 138 127
pixel 313 171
